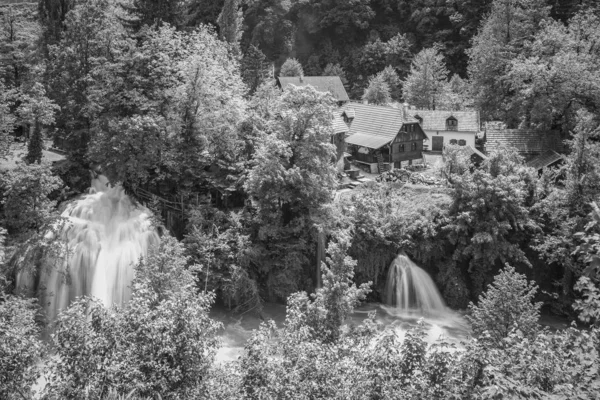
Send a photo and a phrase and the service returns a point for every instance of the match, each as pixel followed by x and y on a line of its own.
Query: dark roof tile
pixel 332 84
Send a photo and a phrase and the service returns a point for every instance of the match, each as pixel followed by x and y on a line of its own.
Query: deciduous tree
pixel 427 84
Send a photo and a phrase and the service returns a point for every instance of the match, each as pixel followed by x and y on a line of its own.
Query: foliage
pixel 219 243
pixel 335 70
pixel 254 68
pixel 457 161
pixel 489 217
pixel 291 67
pixel 503 35
pixel 230 22
pixel 20 347
pixel 506 305
pixel 426 85
pixel 161 343
pixel 27 205
pixel 170 110
pixel 153 13
pixel 378 91
pixel 557 75
pixel 7 121
pixel 392 79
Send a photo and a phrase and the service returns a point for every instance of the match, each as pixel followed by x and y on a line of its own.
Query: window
pixel 453 141
pixel 451 124
pixel 413 146
pixel 400 147
pixel 462 142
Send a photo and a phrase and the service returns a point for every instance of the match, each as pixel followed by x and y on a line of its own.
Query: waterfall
pixel 103 237
pixel 409 288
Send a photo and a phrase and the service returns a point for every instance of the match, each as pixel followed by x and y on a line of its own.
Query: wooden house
pixel 382 138
pixel 448 127
pixel 331 84
pixel 547 159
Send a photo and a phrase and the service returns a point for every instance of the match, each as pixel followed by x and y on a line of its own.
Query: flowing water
pixel 105 234
pixel 102 237
pixel 410 289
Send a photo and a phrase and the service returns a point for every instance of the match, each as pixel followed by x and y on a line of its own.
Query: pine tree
pixel 254 68
pixel 291 67
pixel 426 85
pixel 378 91
pixel 390 76
pixel 230 24
pixel 153 13
pixel 506 305
pixel 34 147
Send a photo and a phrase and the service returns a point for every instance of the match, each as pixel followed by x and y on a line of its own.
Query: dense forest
pixel 178 99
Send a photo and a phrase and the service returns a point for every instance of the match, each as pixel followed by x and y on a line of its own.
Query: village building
pixel 448 127
pixel 547 159
pixel 528 142
pixel 331 84
pixel 381 138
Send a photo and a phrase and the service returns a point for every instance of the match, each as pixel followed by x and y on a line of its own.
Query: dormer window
pixel 451 124
pixel 418 118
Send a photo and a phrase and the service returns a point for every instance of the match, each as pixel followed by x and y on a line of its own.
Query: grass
pixel 18 152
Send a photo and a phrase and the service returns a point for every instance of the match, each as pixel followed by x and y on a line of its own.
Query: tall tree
pixel 52 16
pixel 390 76
pixel 230 22
pixel 503 36
pixel 559 75
pixel 254 68
pixel 378 91
pixel 426 86
pixel 153 13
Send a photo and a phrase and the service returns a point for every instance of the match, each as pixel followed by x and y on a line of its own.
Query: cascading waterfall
pixel 104 236
pixel 410 289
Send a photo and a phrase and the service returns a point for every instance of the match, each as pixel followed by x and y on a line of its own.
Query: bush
pixel 161 343
pixel 20 346
pixel 507 305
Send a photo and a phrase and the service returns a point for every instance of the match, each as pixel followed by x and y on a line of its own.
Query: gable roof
pixel 526 141
pixel 332 84
pixel 435 120
pixel 374 126
pixel 545 160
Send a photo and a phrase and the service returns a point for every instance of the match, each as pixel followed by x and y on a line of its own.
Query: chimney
pixel 405 108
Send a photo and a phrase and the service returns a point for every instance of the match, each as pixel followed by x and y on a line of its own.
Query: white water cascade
pixel 410 289
pixel 103 237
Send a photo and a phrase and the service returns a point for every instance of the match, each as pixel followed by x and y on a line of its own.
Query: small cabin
pixel 382 138
pixel 444 127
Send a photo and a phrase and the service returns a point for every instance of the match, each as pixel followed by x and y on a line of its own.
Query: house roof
pixel 545 160
pixel 379 123
pixel 527 142
pixel 473 151
pixel 339 125
pixel 435 120
pixel 332 84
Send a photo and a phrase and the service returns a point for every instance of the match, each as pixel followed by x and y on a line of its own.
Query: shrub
pixel 507 305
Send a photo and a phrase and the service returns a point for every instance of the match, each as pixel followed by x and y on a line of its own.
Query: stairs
pixel 380 164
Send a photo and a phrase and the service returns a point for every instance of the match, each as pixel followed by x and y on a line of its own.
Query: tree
pixel 503 36
pixel 254 68
pixel 335 70
pixel 291 177
pixel 378 91
pixel 506 305
pixel 161 343
pixel 37 110
pixel 426 86
pixel 153 13
pixel 7 121
pixel 20 347
pixel 556 78
pixel 230 23
pixel 392 79
pixel 178 86
pixel 489 217
pixel 27 204
pixel 52 16
pixel 291 67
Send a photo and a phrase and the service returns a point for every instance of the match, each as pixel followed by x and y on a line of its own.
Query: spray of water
pixel 410 289
pixel 104 236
